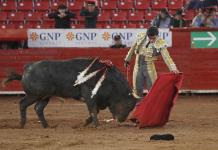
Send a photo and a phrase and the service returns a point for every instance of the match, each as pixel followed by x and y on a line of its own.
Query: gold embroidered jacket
pixel 159 47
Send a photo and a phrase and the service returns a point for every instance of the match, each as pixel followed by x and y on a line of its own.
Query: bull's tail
pixel 12 75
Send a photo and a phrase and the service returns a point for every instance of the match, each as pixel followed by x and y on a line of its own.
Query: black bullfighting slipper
pixel 166 137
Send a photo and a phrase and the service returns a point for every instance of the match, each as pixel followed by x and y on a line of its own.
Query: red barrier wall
pixel 13 34
pixel 200 66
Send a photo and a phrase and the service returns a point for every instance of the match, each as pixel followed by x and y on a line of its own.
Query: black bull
pixel 43 79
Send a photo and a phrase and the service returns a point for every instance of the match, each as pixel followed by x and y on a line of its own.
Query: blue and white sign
pixel 86 37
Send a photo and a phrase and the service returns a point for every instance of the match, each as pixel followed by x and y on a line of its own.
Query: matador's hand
pixel 175 71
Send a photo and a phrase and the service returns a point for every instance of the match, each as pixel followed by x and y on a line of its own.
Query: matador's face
pixel 152 39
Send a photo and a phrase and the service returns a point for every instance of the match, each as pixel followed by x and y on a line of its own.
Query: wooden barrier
pixel 13 34
pixel 200 66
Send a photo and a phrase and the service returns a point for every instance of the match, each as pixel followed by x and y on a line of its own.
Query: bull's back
pixel 53 77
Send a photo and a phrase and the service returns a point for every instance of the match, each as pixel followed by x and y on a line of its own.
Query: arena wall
pixel 200 66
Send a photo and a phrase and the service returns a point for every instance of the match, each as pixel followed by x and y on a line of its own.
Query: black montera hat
pixel 152 31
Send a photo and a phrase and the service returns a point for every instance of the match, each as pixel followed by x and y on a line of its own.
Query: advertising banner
pixel 86 37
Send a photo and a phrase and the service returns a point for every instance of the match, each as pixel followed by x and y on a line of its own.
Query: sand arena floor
pixel 193 122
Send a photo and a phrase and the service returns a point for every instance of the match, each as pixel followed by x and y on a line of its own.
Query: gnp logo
pixel 70 36
pixel 34 36
pixel 90 36
pixel 51 36
pixel 106 36
pixel 124 35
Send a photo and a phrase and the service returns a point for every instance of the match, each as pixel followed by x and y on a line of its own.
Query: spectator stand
pixel 113 13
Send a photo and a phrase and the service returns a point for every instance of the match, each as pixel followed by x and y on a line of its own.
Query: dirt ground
pixel 193 122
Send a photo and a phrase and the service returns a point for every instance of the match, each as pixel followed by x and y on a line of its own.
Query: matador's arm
pixel 130 52
pixel 161 46
pixel 168 60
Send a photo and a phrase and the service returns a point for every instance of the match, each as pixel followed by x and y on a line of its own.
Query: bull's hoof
pixel 95 124
pixel 22 124
pixel 88 121
pixel 44 125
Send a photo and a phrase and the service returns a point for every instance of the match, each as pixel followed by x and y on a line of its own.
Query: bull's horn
pixel 136 96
